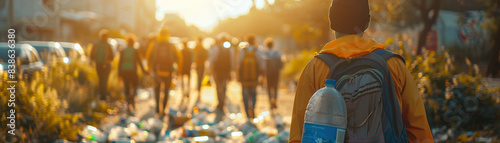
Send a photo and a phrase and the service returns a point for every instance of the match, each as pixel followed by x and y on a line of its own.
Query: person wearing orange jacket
pixel 352 45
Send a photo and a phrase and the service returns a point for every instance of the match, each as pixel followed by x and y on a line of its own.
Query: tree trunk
pixel 422 37
pixel 494 59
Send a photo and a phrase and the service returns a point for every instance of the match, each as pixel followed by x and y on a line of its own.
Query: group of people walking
pixel 227 59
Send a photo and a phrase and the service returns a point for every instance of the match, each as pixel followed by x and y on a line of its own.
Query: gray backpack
pixel 373 113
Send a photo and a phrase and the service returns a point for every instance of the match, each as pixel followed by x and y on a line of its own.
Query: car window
pixel 43 51
pixel 33 56
pixel 60 53
pixel 55 53
pixel 67 51
pixel 4 55
pixel 23 57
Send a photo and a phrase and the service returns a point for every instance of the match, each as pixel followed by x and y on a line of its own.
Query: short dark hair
pixel 131 39
pixel 269 43
pixel 251 39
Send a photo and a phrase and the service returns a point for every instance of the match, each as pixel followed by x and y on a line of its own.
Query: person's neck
pixel 338 35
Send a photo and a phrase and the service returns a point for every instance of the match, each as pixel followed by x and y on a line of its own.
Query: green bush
pixel 54 104
pixel 456 99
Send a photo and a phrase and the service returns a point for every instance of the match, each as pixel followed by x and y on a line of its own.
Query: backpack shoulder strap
pixel 331 60
pixel 387 55
pixel 391 104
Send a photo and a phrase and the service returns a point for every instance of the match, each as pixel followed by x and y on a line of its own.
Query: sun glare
pixel 260 4
pixel 271 2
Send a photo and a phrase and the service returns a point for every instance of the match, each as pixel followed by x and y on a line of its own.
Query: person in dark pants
pixel 200 56
pixel 220 67
pixel 186 68
pixel 249 68
pixel 163 57
pixel 273 68
pixel 102 56
pixel 127 69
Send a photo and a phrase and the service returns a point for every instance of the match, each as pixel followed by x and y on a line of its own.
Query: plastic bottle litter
pixel 131 129
pixel 326 115
pixel 144 136
pixel 280 124
pixel 62 141
pixel 126 120
pixel 203 107
pixel 247 128
pixel 91 133
pixel 164 136
pixel 154 124
pixel 121 140
pixel 280 138
pixel 117 133
pixel 177 118
pixel 256 137
pixel 272 140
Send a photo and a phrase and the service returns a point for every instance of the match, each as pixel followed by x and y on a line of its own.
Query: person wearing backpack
pixel 220 67
pixel 102 56
pixel 127 69
pixel 200 56
pixel 382 100
pixel 186 68
pixel 249 68
pixel 273 68
pixel 163 56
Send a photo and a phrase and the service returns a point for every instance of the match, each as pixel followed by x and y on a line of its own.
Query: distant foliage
pixel 454 99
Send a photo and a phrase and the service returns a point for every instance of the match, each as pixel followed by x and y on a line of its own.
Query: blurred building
pixel 31 19
pixel 66 20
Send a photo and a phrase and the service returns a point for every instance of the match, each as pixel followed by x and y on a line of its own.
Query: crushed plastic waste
pixel 256 137
pixel 197 125
pixel 177 118
pixel 117 133
pixel 91 133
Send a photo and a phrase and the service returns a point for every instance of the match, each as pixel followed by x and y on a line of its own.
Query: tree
pixel 394 13
pixel 494 14
pixel 429 12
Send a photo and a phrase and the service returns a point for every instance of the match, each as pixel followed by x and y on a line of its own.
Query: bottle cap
pixel 330 82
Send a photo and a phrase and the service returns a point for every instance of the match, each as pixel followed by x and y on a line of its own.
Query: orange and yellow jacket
pixel 316 71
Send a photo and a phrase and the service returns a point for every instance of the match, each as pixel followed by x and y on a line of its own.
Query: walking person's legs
pixel 253 99
pixel 273 91
pixel 107 70
pixel 134 82
pixel 157 94
pixel 168 81
pixel 100 77
pixel 102 74
pixel 199 73
pixel 245 92
pixel 126 86
pixel 270 91
pixel 188 85
pixel 220 85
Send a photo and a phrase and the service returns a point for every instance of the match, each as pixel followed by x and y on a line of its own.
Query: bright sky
pixel 205 14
